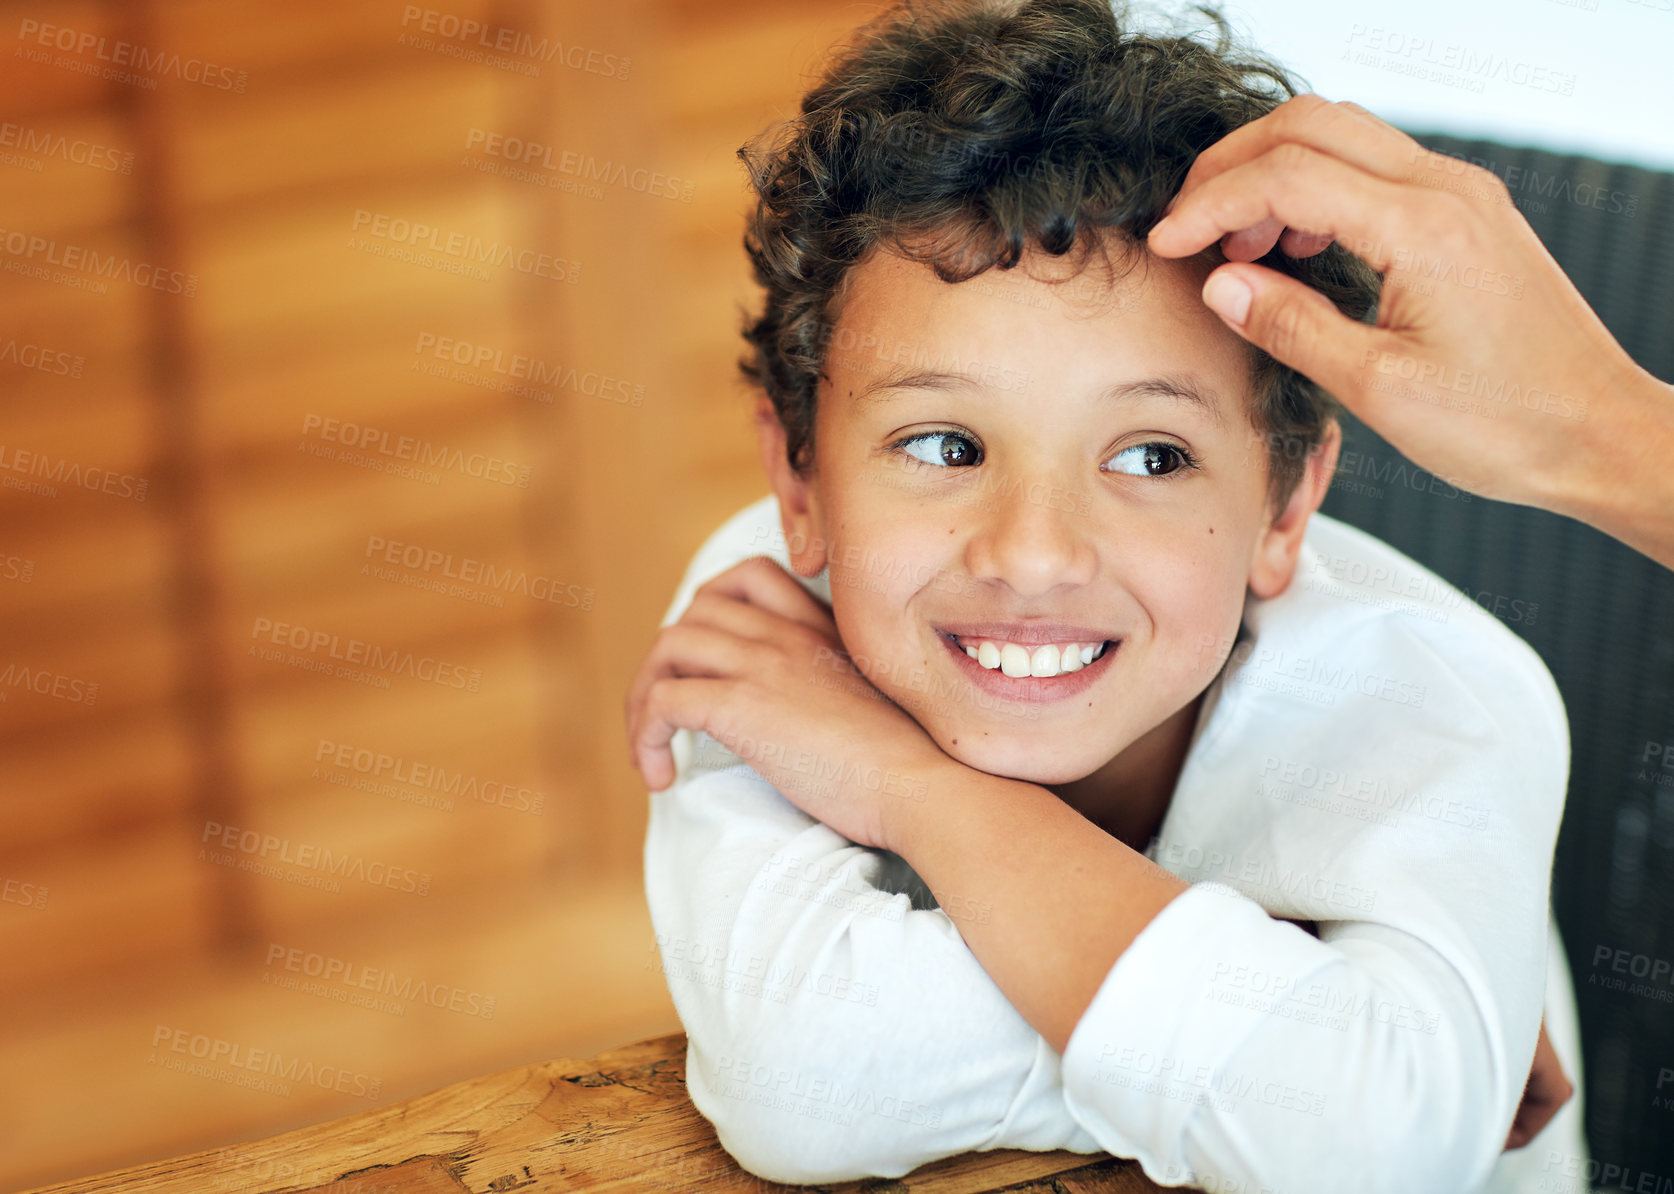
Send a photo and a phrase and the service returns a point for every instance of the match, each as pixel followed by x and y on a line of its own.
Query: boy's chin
pixel 1017 757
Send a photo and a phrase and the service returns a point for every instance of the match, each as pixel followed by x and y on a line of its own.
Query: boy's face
pixel 1034 495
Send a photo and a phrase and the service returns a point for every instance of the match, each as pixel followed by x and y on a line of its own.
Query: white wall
pixel 1583 76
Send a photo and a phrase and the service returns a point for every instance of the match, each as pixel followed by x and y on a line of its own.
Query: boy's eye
pixel 955 449
pixel 1151 460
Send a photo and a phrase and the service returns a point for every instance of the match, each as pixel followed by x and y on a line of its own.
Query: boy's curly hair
pixel 958 132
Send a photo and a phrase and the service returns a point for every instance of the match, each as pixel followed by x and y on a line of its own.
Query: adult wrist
pixel 1621 482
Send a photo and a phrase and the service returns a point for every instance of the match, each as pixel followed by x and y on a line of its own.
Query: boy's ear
pixel 1273 562
pixel 803 541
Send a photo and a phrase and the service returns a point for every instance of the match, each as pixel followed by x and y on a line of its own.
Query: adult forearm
pixel 1622 482
pixel 1046 900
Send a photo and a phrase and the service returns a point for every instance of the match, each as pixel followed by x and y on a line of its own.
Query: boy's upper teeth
pixel 1048 659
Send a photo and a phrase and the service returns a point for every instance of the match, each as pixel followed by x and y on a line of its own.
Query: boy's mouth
pixel 1017 660
pixel 1030 661
pixel 1033 647
pixel 1030 672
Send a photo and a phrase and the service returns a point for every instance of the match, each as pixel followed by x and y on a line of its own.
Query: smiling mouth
pixel 1018 660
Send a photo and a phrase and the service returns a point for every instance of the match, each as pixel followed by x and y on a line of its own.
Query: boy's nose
pixel 1033 539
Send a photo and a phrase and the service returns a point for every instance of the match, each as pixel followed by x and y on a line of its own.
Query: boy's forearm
pixel 1046 900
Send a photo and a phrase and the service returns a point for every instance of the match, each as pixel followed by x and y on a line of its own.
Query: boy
pixel 1249 863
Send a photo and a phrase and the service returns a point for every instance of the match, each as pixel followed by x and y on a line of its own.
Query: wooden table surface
pixel 621 1121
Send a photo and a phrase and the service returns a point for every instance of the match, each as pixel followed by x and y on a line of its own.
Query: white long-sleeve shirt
pixel 1380 757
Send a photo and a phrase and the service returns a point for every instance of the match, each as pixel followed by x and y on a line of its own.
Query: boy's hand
pixel 756 663
pixel 1549 1088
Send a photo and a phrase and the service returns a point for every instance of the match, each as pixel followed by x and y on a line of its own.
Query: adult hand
pixel 756 662
pixel 1549 1088
pixel 1486 366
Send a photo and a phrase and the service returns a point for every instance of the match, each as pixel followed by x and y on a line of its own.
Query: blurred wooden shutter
pixel 216 400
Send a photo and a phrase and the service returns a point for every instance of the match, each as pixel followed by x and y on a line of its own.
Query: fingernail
pixel 1229 296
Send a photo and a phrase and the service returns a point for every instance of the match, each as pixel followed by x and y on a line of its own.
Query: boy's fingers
pixel 748 621
pixel 1293 323
pixel 657 768
pixel 686 703
pixel 682 649
pixel 728 616
pixel 764 583
pixel 1305 190
pixel 1344 130
pixel 1545 1093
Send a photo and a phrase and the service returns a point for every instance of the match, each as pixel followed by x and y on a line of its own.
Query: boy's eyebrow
pixel 902 377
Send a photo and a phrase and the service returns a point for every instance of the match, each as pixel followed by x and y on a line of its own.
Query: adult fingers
pixel 1303 189
pixel 1343 130
pixel 1293 323
pixel 1247 244
pixel 1297 243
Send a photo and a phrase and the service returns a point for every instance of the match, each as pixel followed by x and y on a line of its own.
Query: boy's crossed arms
pixel 836 1032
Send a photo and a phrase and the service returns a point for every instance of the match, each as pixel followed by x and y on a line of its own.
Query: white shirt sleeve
pixel 1231 1049
pixel 834 1031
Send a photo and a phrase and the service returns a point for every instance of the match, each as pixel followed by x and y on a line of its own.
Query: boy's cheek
pixel 1196 628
